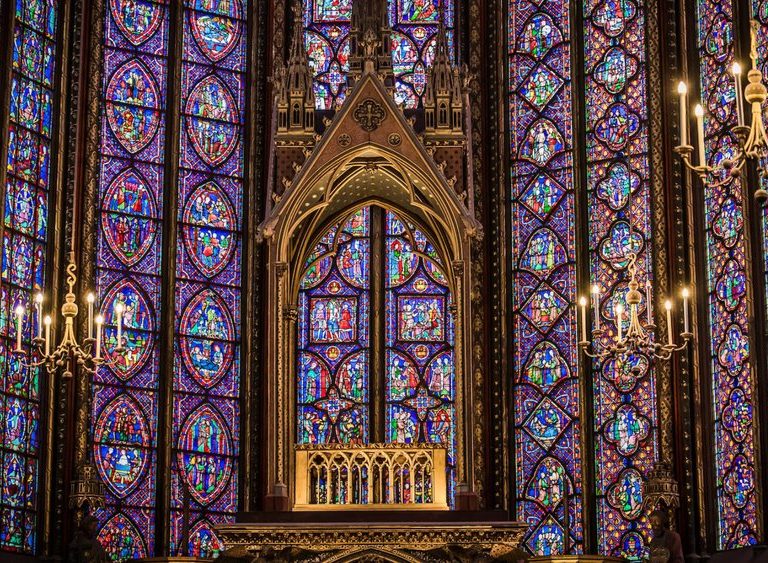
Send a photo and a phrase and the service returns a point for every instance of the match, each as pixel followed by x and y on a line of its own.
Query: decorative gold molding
pixel 336 541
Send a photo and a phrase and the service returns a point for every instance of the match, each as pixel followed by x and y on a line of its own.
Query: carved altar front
pixel 370 537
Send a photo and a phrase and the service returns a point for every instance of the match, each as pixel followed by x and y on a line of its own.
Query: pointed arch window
pixel 375 339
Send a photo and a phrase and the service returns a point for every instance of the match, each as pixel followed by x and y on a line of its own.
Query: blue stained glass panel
pixel 618 188
pixel 128 267
pixel 733 383
pixel 547 419
pixel 206 382
pixel 24 247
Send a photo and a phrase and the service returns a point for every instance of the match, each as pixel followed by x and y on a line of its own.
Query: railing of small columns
pixel 374 476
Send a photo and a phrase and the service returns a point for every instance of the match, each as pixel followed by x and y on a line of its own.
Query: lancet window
pixel 375 337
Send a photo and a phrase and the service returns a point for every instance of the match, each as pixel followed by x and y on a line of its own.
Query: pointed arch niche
pixel 365 190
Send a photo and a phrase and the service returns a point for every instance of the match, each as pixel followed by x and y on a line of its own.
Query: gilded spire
pixel 369 42
pixel 296 94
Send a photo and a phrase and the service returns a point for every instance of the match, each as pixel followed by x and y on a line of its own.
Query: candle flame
pixel 736 69
pixel 583 301
pixel 47 320
pixel 682 88
pixel 668 305
pixel 19 310
pixel 698 110
pixel 99 319
pixel 686 293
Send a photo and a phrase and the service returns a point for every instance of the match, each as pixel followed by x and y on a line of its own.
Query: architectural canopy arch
pixel 369 156
pixel 370 137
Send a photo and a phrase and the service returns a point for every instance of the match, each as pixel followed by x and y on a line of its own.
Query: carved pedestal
pixel 330 537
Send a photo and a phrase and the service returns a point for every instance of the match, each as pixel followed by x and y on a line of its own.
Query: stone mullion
pixel 682 272
pixel 490 189
pixel 251 281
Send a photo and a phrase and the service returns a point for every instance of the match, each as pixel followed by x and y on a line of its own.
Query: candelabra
pixel 639 338
pixel 87 355
pixel 751 141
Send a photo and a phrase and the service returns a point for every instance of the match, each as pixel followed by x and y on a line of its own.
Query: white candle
pixel 19 321
pixel 119 312
pixel 596 305
pixel 699 111
pixel 583 304
pixel 682 90
pixel 90 298
pixel 39 309
pixel 619 320
pixel 686 295
pixel 648 302
pixel 736 69
pixel 668 307
pixel 99 322
pixel 47 322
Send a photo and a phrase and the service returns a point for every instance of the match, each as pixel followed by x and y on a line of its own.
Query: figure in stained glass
pixel 350 378
pixel 543 253
pixel 313 427
pixel 421 318
pixel 210 222
pixel 543 141
pixel 138 20
pixel 315 378
pixel 352 259
pixel 333 319
pixel 217 35
pixel 626 494
pixel 440 376
pixel 548 484
pixel 121 540
pixel 130 89
pixel 417 11
pixel 439 426
pixel 211 127
pixel 545 367
pixel 539 35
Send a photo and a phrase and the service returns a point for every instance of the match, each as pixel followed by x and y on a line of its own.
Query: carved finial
pixel 754 29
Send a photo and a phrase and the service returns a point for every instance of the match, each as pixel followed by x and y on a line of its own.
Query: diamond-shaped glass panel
pixel 546 423
pixel 544 307
pixel 542 195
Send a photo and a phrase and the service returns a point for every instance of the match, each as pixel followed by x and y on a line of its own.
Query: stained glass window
pixel 342 276
pixel 25 233
pixel 333 356
pixel 128 270
pixel 732 378
pixel 545 354
pixel 618 171
pixel 326 35
pixel 207 371
pixel 133 186
pixel 414 36
pixel 414 30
